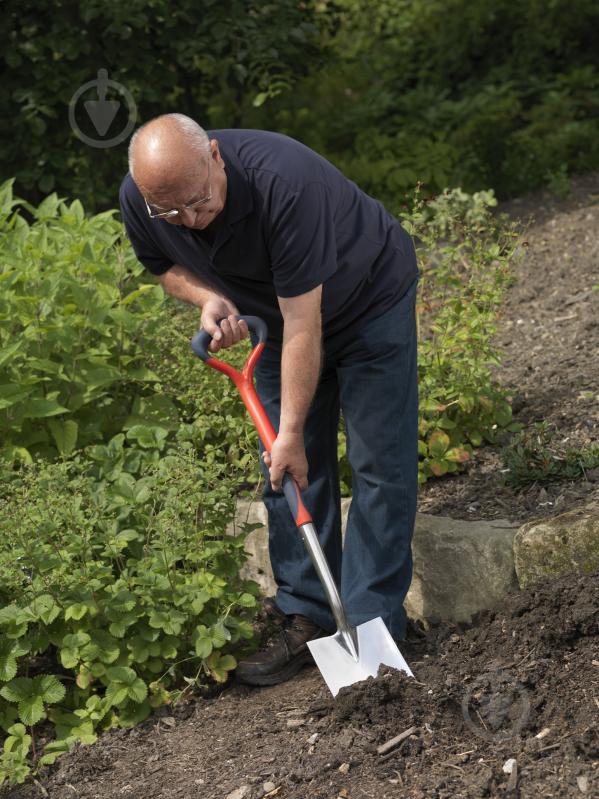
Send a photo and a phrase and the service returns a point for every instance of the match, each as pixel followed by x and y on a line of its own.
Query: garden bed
pixel 519 684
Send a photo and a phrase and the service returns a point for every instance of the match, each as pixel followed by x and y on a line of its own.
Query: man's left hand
pixel 287 455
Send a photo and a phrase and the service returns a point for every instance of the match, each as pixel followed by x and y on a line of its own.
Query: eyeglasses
pixel 155 212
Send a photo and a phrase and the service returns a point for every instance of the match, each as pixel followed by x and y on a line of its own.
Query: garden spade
pixel 352 653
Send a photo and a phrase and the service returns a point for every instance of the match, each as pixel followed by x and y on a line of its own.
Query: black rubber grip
pixel 201 341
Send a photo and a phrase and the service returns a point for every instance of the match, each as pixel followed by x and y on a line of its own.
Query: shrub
pixel 75 322
pixel 452 92
pixel 88 349
pixel 209 60
pixel 465 257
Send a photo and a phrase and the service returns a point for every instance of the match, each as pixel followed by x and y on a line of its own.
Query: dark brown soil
pixel 522 683
pixel 549 337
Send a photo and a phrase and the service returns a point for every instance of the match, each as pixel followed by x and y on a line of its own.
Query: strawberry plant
pixel 119 590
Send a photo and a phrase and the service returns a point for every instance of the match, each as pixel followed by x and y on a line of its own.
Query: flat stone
pixel 460 567
pixel 565 543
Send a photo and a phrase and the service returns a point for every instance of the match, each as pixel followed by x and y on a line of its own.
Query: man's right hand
pixel 230 331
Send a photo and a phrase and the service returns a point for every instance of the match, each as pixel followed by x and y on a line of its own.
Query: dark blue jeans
pixel 373 380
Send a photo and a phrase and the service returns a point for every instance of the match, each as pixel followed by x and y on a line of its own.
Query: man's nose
pixel 187 216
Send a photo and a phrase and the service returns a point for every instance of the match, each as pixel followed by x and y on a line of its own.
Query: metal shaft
pixel 310 539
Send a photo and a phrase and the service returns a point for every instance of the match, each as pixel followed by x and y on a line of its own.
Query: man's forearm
pixel 300 369
pixel 179 282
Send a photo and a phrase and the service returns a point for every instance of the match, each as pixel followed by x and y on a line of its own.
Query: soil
pixel 517 690
pixel 520 684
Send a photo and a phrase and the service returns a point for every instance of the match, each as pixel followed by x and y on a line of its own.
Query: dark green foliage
pixel 454 93
pixel 445 92
pixel 208 59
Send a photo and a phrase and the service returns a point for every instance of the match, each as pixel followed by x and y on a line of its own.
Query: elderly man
pixel 252 222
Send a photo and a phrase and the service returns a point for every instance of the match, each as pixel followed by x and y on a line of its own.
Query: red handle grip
pixel 245 384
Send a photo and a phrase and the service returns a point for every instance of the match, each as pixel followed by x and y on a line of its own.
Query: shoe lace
pixel 283 630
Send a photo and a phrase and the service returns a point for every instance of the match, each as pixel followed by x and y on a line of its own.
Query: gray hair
pixel 191 133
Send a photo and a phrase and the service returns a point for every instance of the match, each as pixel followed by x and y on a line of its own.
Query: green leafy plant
pixel 74 321
pixel 119 574
pixel 465 260
pixel 14 766
pixel 533 457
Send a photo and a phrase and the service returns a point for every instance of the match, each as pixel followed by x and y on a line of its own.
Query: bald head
pixel 167 150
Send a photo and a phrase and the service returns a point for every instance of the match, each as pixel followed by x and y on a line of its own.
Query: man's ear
pixel 216 156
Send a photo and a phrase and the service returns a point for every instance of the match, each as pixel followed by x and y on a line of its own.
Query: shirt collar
pixel 239 197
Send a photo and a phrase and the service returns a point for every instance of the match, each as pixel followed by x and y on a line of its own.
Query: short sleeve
pixel 302 242
pixel 144 246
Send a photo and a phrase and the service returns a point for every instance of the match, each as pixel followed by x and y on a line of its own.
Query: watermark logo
pixel 100 113
pixel 496 706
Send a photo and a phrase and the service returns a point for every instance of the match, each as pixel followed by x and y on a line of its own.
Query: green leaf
pixel 41 408
pixel 138 690
pixel 132 714
pixel 102 646
pixel 11 394
pixel 503 414
pixel 170 621
pixel 18 689
pixel 457 455
pixel 220 635
pixel 18 741
pixel 71 648
pixel 54 749
pixel 124 683
pixel 475 437
pixel 49 688
pixel 7 352
pixel 64 434
pixel 121 674
pixel 14 620
pixel 31 710
pixel 438 467
pixel 9 652
pixel 76 611
pixel 438 443
pixel 8 716
pixel 145 287
pixel 202 641
pixel 44 608
pixel 259 99
pixel 116 693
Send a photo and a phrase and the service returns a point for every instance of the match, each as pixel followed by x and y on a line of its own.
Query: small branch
pixel 393 742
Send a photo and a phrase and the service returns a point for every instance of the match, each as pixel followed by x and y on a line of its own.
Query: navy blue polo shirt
pixel 291 222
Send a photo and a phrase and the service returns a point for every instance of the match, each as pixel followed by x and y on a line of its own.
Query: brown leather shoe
pixel 285 653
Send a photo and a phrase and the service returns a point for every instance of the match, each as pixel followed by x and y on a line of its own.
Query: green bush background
pixel 469 93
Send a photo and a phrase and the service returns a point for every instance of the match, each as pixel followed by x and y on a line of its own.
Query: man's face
pixel 197 194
